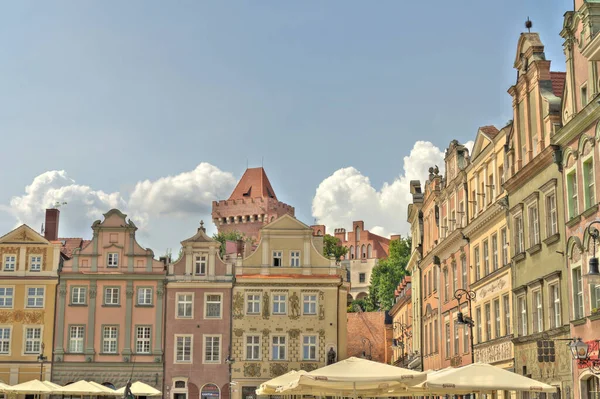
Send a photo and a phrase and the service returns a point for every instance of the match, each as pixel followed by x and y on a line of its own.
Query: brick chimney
pixel 51 225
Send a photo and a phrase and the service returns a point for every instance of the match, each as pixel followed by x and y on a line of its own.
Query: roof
pixel 253 184
pixel 70 244
pixel 490 130
pixel 558 83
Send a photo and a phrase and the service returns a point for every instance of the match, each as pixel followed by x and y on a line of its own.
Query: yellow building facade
pixel 289 307
pixel 489 238
pixel 28 279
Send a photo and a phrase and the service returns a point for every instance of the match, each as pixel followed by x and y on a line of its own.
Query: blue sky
pixel 117 93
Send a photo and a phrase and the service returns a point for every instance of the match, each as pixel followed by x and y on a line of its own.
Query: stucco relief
pixel 294 306
pixel 494 353
pixel 252 370
pixel 309 366
pixel 22 316
pixel 321 312
pixel 238 305
pixel 497 285
pixel 238 332
pixel 37 251
pixel 266 306
pixel 294 333
pixel 10 251
pixel 266 332
pixel 278 369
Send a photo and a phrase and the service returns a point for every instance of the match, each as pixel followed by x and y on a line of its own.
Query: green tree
pixel 388 273
pixel 364 305
pixel 332 246
pixel 223 237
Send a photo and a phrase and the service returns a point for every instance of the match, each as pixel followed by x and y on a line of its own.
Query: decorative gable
pixel 23 235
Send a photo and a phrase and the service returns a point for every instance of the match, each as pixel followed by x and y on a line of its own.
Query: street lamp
pixel 364 354
pixel 403 333
pixel 466 320
pixel 41 358
pixel 594 275
pixel 581 353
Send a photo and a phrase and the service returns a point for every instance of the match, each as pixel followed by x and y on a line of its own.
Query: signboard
pixel 210 391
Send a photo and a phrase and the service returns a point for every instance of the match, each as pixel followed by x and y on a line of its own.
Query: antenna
pixel 58 204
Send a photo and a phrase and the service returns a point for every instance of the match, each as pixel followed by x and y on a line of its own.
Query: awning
pixel 140 389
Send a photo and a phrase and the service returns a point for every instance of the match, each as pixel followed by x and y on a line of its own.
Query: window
pixel 6 297
pixel 495 252
pixel 435 278
pixel 465 272
pixel 446 284
pixel 452 220
pixel 142 342
pixel 183 349
pixel 504 235
pixel 425 284
pixel 213 306
pixel 200 265
pixel 278 347
pixel 184 306
pixel 253 347
pixel 595 296
pixel 253 304
pixel 362 277
pixel 435 336
pixel 588 183
pixel 584 96
pixel 498 318
pixel 572 194
pixel 461 212
pixel 520 245
pixel 295 258
pixel 488 322
pixel 111 296
pixel 507 312
pixel 456 338
pixel 4 340
pixel 486 258
pixel 466 339
pixel 309 304
pixel 277 258
pixel 427 348
pixel 554 306
pixel 109 339
pixel 551 215
pixel 113 259
pixel 76 339
pixel 309 347
pixel 474 199
pixel 35 263
pixel 477 265
pixel 454 277
pixel 534 226
pixel 490 187
pixel 522 315
pixel 35 297
pixel 33 340
pixel 78 295
pixel 447 339
pixel 144 296
pixel 212 349
pixel 538 320
pixel 479 325
pixel 279 304
pixel 10 262
pixel 578 294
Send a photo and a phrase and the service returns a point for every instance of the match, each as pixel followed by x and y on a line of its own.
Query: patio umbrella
pixel 109 391
pixel 140 389
pixel 86 388
pixel 270 387
pixel 4 387
pixel 482 377
pixel 31 387
pixel 52 385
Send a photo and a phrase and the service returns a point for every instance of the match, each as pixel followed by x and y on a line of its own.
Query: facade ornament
pixel 160 292
pixel 266 303
pixel 309 366
pixel 294 306
pixel 238 332
pixel 294 333
pixel 321 312
pixel 93 292
pixel 278 369
pixel 238 306
pixel 252 370
pixel 62 291
pixel 321 333
pixel 129 292
pixel 22 316
pixel 321 295
pixel 266 332
pixel 331 356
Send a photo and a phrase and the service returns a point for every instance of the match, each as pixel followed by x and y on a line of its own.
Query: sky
pixel 158 108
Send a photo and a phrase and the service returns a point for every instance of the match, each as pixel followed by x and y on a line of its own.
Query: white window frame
pixel 253 303
pixel 276 345
pixel 186 301
pixel 200 264
pixel 143 340
pixel 142 293
pixel 35 263
pixel 252 348
pixel 210 346
pixel 505 246
pixel 7 298
pixel 76 338
pixel 35 341
pixel 187 348
pixel 488 321
pixel 277 256
pixel 507 313
pixel 538 316
pixel 589 188
pixel 211 301
pixel 464 272
pixel 312 301
pixel 533 216
pixel 519 233
pixel 112 259
pixel 6 341
pixel 38 299
pixel 9 262
pixel 497 318
pixel 522 321
pixel 305 343
pixel 110 341
pixel 551 214
pixel 447 334
pixel 279 299
pixel 295 257
pixel 495 264
pixel 77 293
pixel 454 277
pixel 555 314
pixel 111 296
pixel 572 193
pixel 456 338
pixel 477 259
pixel 578 304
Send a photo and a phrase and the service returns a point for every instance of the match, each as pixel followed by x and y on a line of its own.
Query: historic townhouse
pixel 28 278
pixel 110 310
pixel 198 321
pixel 489 236
pixel 429 269
pixel 578 140
pixel 402 325
pixel 536 219
pixel 415 219
pixel 451 255
pixel 289 307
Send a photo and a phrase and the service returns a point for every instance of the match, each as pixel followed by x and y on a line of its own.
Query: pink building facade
pixel 110 309
pixel 197 351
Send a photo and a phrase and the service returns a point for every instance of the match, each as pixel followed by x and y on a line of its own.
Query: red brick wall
pixel 369 325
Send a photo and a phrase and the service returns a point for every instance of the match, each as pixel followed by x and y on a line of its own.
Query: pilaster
pixel 130 257
pixel 160 291
pixel 211 263
pixel 128 317
pixel 60 318
pixel 91 325
pixel 189 261
pixel 95 252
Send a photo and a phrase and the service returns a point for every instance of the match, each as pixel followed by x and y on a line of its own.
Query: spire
pixel 254 183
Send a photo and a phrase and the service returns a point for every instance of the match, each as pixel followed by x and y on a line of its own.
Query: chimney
pixel 51 228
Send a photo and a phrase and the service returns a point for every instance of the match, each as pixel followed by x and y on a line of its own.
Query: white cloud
pixel 348 195
pixel 469 144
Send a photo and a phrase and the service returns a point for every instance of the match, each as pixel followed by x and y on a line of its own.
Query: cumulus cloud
pixel 348 195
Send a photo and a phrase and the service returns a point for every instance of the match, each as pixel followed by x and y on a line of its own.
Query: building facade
pixel 289 307
pixel 28 280
pixel 402 325
pixel 370 336
pixel 578 139
pixel 489 237
pixel 536 219
pixel 198 327
pixel 251 205
pixel 110 310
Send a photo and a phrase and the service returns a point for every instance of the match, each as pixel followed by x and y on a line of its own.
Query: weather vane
pixel 528 25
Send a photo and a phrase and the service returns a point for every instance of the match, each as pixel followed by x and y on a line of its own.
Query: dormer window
pixel 200 265
pixel 113 260
pixel 277 258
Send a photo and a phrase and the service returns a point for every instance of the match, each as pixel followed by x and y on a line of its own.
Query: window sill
pixel 594 316
pixel 108 354
pixel 144 306
pixel 213 318
pixel 552 239
pixel 78 305
pixel 184 318
pixel 519 257
pixel 578 322
pixel 534 249
pixel 573 221
pixel 111 306
pixel 590 211
pixel 141 354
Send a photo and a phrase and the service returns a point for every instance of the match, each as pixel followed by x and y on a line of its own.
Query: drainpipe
pixel 230 363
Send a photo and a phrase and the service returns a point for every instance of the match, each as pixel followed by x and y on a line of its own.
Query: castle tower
pixel 251 205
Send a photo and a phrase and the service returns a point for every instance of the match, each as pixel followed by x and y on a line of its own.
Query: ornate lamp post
pixel 41 358
pixel 593 275
pixel 581 353
pixel 466 320
pixel 364 354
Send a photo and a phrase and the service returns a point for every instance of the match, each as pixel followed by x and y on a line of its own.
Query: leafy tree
pixel 388 273
pixel 332 246
pixel 365 305
pixel 223 237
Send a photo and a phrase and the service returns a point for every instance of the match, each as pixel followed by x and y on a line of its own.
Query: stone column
pixel 128 314
pixel 60 318
pixel 160 292
pixel 91 325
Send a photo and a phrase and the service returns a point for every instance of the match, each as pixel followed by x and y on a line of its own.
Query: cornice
pixel 481 222
pixel 577 124
pixel 496 274
pixel 455 237
pixel 533 168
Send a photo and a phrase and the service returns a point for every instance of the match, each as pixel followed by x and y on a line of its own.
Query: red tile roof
pixel 558 83
pixel 70 244
pixel 254 183
pixel 490 130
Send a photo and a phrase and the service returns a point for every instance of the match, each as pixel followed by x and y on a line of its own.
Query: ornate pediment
pixel 23 234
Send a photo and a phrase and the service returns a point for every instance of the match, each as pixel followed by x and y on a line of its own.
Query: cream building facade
pixel 289 307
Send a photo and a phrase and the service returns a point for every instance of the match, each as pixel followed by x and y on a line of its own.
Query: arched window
pixel 180 389
pixel 319 233
pixel 351 252
pixel 369 251
pixel 210 391
pixel 357 234
pixel 363 251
